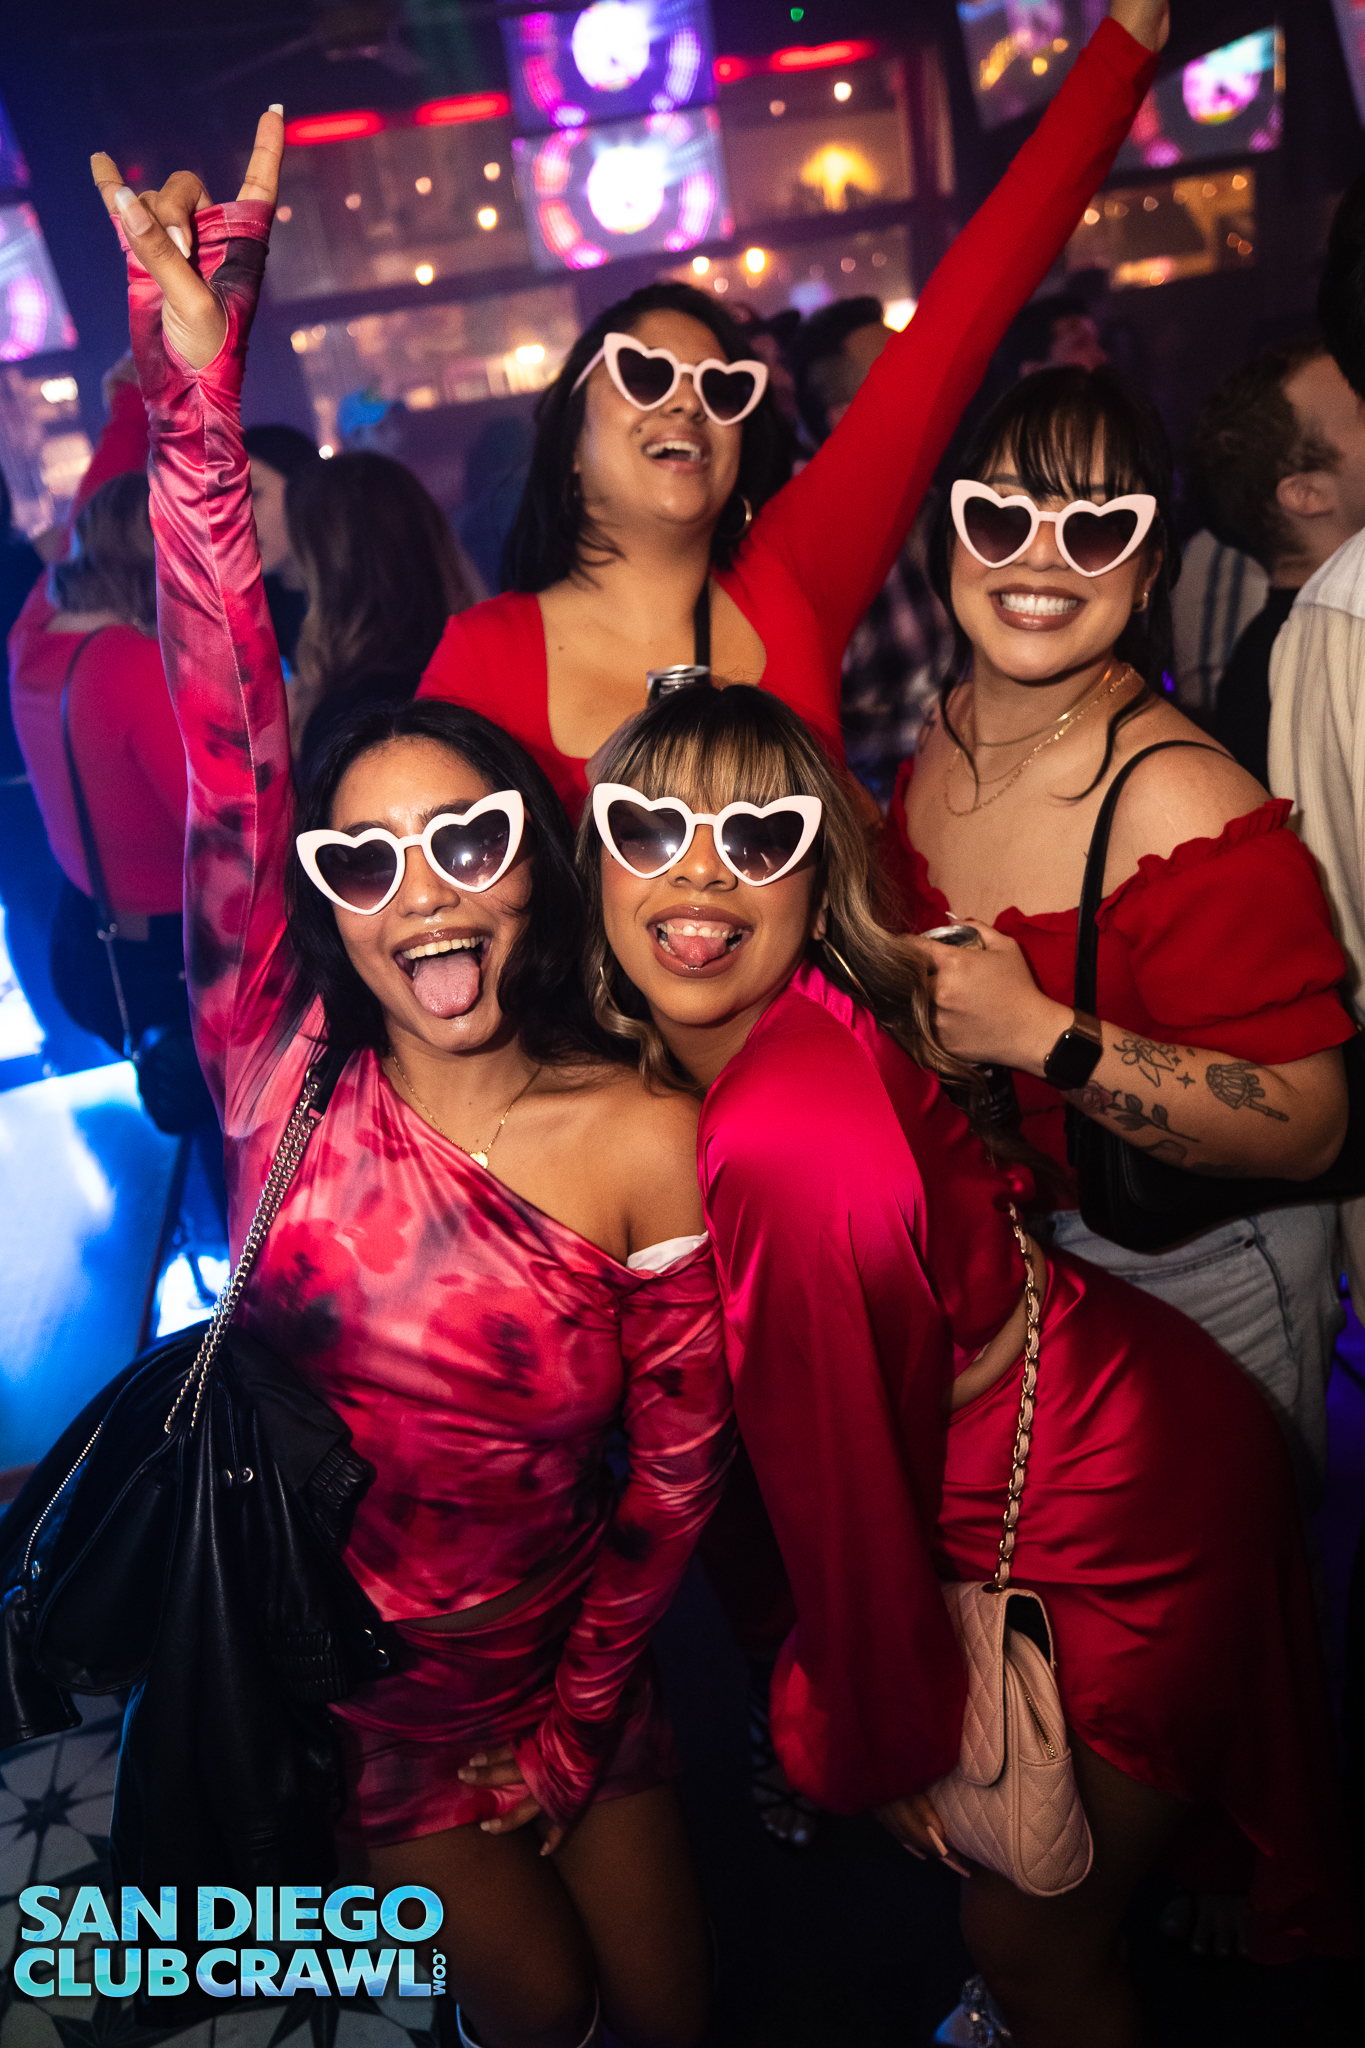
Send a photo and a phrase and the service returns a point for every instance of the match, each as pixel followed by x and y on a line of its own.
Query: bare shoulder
pixel 1192 791
pixel 644 1129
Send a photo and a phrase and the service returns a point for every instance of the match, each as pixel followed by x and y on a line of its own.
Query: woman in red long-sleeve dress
pixel 483 1305
pixel 871 1283
pixel 630 517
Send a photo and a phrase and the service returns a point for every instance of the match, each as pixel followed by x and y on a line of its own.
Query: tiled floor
pixel 54 1822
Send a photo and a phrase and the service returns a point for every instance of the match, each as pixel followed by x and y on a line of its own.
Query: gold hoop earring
pixel 746 523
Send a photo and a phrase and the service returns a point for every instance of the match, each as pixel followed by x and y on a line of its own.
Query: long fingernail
pixel 181 240
pixel 913 1851
pixel 936 1838
pixel 136 218
pixel 479 1759
pixel 960 1868
pixel 275 107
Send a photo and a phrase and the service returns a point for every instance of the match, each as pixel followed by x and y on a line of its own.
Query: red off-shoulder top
pixel 1225 943
pixel 820 550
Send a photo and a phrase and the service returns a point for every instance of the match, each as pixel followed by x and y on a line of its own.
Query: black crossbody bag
pixel 1143 1203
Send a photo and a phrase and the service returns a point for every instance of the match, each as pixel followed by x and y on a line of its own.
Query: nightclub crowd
pixel 810 1036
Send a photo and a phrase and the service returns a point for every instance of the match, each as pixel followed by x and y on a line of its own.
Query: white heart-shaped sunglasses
pixel 362 871
pixel 648 377
pixel 757 844
pixel 1091 539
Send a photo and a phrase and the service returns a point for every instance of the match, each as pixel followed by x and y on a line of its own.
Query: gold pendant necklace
pixel 1063 726
pixel 479 1157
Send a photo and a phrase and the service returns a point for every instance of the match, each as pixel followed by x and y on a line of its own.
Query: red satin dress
pixel 480 1351
pixel 820 550
pixel 865 1257
pixel 1187 952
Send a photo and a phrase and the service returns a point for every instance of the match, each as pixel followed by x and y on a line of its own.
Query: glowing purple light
pixel 610 44
pixel 1219 87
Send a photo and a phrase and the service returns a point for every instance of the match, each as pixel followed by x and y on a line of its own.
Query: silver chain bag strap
pixel 1012 1804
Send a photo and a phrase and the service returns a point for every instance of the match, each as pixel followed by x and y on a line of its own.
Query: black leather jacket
pixel 199 1569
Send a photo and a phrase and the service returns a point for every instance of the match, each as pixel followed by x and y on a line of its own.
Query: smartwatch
pixel 1077 1053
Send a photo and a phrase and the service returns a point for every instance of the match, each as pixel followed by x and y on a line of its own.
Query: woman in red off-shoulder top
pixel 1219 1017
pixel 630 516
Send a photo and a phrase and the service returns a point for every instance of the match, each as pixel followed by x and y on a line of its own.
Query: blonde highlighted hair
pixel 712 747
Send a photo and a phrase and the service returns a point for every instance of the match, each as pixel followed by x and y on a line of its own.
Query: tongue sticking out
pixel 697 945
pixel 447 984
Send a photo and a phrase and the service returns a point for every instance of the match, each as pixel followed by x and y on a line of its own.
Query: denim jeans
pixel 1265 1288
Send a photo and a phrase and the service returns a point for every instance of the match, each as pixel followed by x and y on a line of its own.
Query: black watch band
pixel 1077 1053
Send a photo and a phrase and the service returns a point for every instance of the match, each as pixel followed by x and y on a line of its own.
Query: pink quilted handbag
pixel 1012 1803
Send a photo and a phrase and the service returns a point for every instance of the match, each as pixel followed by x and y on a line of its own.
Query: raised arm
pixel 844 519
pixel 680 1429
pixel 189 322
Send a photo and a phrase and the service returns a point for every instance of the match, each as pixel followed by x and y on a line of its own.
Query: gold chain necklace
pixel 480 1157
pixel 1064 725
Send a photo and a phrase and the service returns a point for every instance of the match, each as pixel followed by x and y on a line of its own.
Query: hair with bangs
pixel 1063 432
pixel 539 989
pixel 712 747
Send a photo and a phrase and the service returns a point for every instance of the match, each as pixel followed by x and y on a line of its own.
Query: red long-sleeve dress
pixel 864 1258
pixel 479 1350
pixel 819 551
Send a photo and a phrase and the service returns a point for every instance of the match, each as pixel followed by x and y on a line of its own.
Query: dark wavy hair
pixel 1061 431
pixel 551 534
pixel 539 991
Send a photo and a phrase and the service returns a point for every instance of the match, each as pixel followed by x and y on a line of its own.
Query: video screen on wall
pixel 1019 51
pixel 1226 104
pixel 33 312
pixel 1351 22
pixel 589 195
pixel 608 62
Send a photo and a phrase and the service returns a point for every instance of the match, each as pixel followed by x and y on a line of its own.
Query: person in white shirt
pixel 1317 679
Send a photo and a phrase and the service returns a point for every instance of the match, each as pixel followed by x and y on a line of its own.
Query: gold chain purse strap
pixel 1023 1435
pixel 284 1166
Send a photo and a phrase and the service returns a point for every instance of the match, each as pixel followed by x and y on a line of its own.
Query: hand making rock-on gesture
pixel 160 230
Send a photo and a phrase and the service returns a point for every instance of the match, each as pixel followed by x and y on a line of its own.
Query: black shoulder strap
pixel 329 1068
pixel 701 627
pixel 1092 888
pixel 89 847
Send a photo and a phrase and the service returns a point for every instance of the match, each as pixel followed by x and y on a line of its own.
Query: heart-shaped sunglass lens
pixel 995 531
pixel 647 841
pixel 727 392
pixel 472 854
pixel 1095 540
pixel 360 875
pixel 760 847
pixel 646 378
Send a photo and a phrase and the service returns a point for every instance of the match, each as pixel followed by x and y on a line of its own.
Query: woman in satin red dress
pixel 490 1257
pixel 650 523
pixel 872 1291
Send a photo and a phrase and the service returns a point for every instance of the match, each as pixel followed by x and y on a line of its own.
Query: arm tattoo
pixel 1150 1059
pixel 1128 1113
pixel 1238 1085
